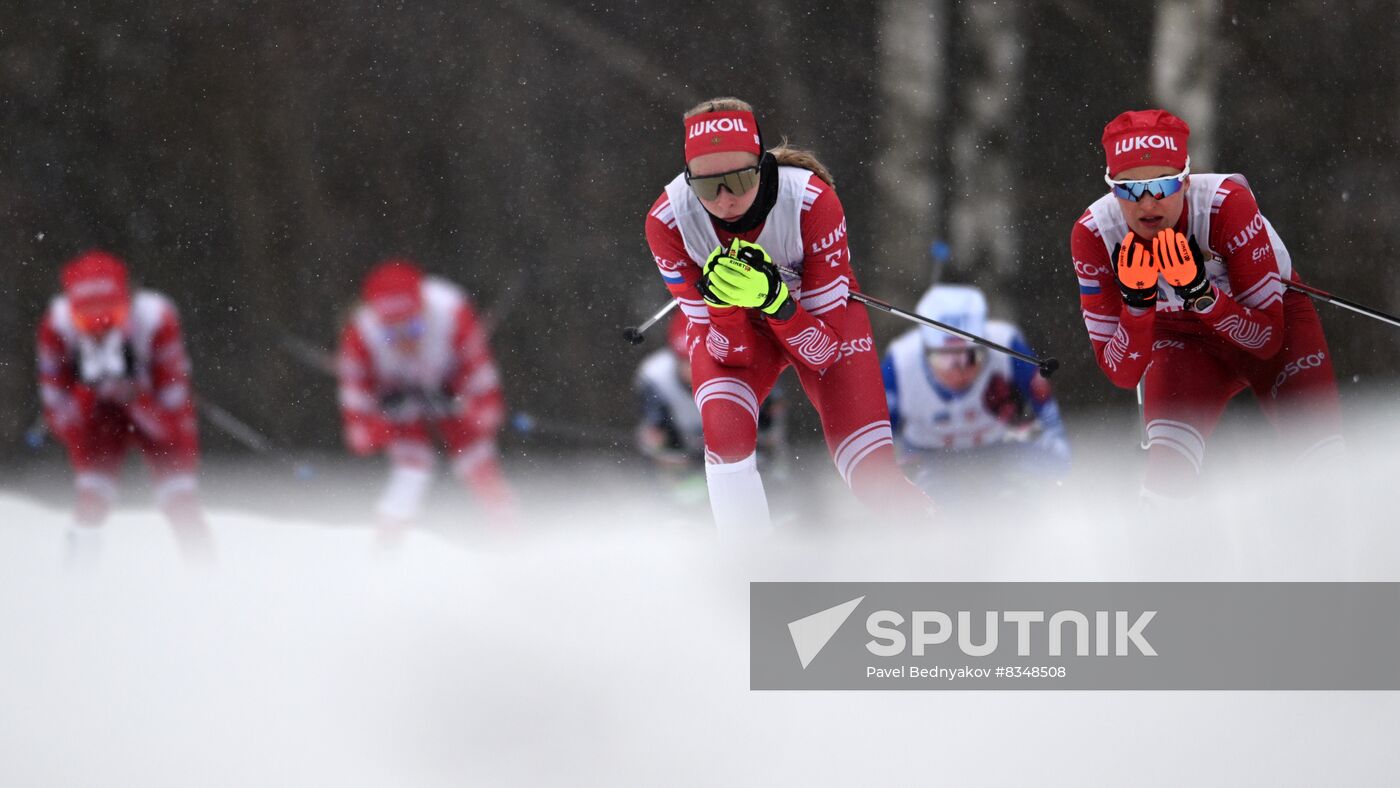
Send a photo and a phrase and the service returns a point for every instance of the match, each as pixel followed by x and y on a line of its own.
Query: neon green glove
pixel 703 285
pixel 744 275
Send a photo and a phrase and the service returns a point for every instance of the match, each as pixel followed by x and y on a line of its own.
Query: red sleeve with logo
pixel 724 331
pixel 812 333
pixel 478 403
pixel 1251 319
pixel 1120 335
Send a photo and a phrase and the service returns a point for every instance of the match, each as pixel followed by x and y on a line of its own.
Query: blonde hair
pixel 785 154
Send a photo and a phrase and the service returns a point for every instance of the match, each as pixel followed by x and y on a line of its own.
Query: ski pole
pixel 634 334
pixel 1142 416
pixel 231 426
pixel 1323 295
pixel 1047 366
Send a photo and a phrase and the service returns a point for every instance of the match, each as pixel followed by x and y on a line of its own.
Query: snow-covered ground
pixel 607 642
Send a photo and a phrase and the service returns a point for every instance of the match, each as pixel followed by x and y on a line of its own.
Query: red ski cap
pixel 95 283
pixel 394 290
pixel 720 132
pixel 1142 138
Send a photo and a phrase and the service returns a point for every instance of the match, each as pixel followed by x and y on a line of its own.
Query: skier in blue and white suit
pixel 955 405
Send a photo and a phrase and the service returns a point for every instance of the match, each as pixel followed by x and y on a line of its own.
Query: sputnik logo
pixel 810 634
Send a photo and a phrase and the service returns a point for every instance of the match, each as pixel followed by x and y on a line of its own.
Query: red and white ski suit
pixel 1257 335
pixel 131 386
pixel 395 399
pixel 737 354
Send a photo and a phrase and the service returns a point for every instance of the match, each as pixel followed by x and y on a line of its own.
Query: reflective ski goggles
pixel 1157 188
pixel 706 187
pixel 99 319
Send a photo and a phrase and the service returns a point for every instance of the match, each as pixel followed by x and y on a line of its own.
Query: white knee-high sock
pixel 402 499
pixel 737 500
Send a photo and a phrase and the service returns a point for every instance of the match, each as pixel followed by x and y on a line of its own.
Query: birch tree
pixel 1186 70
pixel 982 218
pixel 912 79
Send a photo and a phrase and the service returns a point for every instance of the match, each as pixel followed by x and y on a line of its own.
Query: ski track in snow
pixel 598 647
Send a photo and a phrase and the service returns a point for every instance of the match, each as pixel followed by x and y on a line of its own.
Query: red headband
pixel 720 132
pixel 1150 137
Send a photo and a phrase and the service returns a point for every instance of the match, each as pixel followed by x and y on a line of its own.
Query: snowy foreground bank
pixel 607 644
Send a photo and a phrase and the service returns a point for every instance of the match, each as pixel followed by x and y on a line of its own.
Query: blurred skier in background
pixel 753 245
pixel 113 373
pixel 1181 287
pixel 670 431
pixel 966 420
pixel 413 366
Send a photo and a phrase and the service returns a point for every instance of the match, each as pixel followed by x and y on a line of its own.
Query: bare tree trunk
pixel 1186 70
pixel 985 236
pixel 912 73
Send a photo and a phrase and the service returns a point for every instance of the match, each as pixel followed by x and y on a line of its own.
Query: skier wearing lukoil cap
pixel 1181 286
pixel 752 243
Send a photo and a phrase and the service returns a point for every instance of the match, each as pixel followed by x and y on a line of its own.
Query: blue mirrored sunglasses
pixel 1158 188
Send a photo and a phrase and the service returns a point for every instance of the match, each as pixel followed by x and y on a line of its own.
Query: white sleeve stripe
pixel 1266 303
pixel 173 396
pixel 840 281
pixel 666 216
pixel 1101 326
pixel 356 401
pixel 696 314
pixel 1268 278
pixel 813 302
pixel 481 381
pixel 1262 300
pixel 1261 292
pixel 52 396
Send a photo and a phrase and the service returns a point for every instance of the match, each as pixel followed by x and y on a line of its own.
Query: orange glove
pixel 1178 259
pixel 1136 273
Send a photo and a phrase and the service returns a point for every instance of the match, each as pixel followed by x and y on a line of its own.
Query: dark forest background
pixel 254 159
